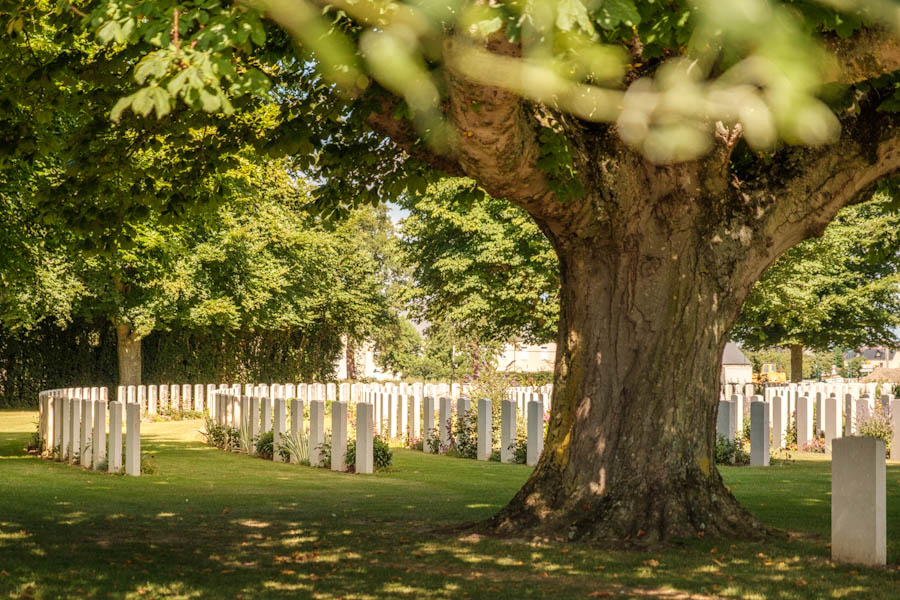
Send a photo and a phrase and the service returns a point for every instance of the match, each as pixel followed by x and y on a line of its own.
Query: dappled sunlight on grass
pixel 211 524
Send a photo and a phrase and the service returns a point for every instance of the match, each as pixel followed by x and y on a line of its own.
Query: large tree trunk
pixel 630 450
pixel 796 363
pixel 128 348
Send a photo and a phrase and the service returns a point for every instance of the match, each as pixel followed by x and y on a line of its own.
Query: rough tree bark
pixel 796 363
pixel 655 264
pixel 128 349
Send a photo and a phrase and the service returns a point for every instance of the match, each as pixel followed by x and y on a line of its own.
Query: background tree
pixel 836 291
pixel 479 263
pixel 661 223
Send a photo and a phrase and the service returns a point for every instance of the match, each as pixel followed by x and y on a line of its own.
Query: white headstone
pixel 114 455
pixel 428 415
pixel 485 442
pixel 849 415
pixel 535 432
pixel 804 422
pixel 253 418
pixel 87 429
pixel 133 439
pixel 279 428
pixel 507 431
pixel 65 435
pixel 364 442
pixel 316 431
pixel 895 425
pixel 759 434
pixel 338 436
pixel 75 429
pixel 858 501
pixel 832 420
pixel 414 427
pixel 444 421
pixel 265 423
pixel 724 420
pixel 779 421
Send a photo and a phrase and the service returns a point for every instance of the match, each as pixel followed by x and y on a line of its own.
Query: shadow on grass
pixel 219 525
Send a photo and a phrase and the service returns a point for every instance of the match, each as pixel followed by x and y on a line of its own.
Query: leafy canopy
pixel 840 290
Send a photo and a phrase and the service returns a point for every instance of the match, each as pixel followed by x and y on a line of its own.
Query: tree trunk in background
pixel 350 359
pixel 128 348
pixel 796 363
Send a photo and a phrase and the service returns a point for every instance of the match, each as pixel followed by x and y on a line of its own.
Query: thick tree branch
pixel 799 199
pixel 403 132
pixel 498 144
pixel 869 53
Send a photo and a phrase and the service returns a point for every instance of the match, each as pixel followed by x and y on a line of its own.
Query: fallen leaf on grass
pixel 599 595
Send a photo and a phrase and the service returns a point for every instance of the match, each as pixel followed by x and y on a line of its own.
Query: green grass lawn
pixel 216 525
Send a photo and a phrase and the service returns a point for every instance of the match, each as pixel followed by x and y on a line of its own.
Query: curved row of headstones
pixel 835 410
pixel 378 412
pixel 858 467
pixel 72 426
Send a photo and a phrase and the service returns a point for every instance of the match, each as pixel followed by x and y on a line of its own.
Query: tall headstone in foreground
pixel 535 432
pixel 858 501
pixel 339 436
pixel 316 431
pixel 133 439
pixel 364 449
pixel 484 448
pixel 114 455
pixel 507 431
pixel 759 434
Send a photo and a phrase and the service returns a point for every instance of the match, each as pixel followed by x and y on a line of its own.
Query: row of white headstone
pixel 858 468
pixel 155 399
pixel 72 425
pixel 383 413
pixel 812 414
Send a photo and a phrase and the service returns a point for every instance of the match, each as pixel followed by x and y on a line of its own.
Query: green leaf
pixel 613 12
pixel 209 101
pixel 116 113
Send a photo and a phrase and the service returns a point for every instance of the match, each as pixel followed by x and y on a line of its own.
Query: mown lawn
pixel 217 525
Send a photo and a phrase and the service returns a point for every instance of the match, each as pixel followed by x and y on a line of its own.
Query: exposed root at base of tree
pixel 639 518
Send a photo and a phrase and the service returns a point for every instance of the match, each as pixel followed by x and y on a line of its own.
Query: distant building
pixel 874 358
pixel 525 358
pixel 736 368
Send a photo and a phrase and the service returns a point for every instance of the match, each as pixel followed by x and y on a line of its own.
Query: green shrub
pixel 745 430
pixel 148 464
pixel 382 456
pixel 325 453
pixel 296 447
pixel 790 436
pixel 731 452
pixel 264 444
pixel 464 439
pixel 876 426
pixel 214 433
